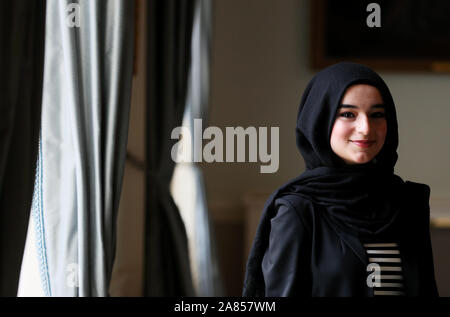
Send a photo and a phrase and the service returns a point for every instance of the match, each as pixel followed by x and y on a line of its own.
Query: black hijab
pixel 362 198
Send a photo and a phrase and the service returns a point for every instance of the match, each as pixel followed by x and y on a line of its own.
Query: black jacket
pixel 309 255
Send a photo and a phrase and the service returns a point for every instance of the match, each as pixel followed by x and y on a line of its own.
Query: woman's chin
pixel 359 159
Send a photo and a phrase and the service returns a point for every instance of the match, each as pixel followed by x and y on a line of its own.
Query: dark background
pixel 409 29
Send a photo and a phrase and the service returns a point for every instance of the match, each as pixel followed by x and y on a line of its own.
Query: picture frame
pixel 412 36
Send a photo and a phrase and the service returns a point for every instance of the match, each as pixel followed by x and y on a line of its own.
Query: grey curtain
pixel 167 268
pixel 22 28
pixel 208 281
pixel 85 112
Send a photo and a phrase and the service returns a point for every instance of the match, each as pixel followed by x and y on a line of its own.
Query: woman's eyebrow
pixel 356 107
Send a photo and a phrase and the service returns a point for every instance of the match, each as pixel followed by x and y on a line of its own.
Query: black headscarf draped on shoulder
pixel 360 198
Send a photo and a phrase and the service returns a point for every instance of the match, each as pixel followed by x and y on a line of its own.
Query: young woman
pixel 347 226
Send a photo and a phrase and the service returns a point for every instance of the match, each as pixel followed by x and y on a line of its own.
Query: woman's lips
pixel 363 143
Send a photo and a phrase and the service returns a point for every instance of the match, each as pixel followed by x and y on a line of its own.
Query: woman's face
pixel 359 130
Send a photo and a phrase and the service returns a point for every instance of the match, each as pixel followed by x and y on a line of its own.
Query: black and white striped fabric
pixel 385 273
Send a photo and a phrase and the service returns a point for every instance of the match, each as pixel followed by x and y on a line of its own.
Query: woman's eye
pixel 347 115
pixel 378 115
pixel 352 115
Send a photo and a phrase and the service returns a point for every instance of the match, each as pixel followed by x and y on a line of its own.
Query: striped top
pixel 385 272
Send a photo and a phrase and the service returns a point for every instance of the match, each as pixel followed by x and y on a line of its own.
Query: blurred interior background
pixel 260 65
pixel 260 58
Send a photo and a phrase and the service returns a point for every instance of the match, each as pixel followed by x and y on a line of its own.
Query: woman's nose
pixel 363 125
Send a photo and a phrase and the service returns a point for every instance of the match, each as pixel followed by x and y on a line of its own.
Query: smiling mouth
pixel 363 144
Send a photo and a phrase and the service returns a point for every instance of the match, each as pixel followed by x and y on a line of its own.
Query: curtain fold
pixel 188 185
pixel 209 280
pixel 167 268
pixel 85 112
pixel 22 29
